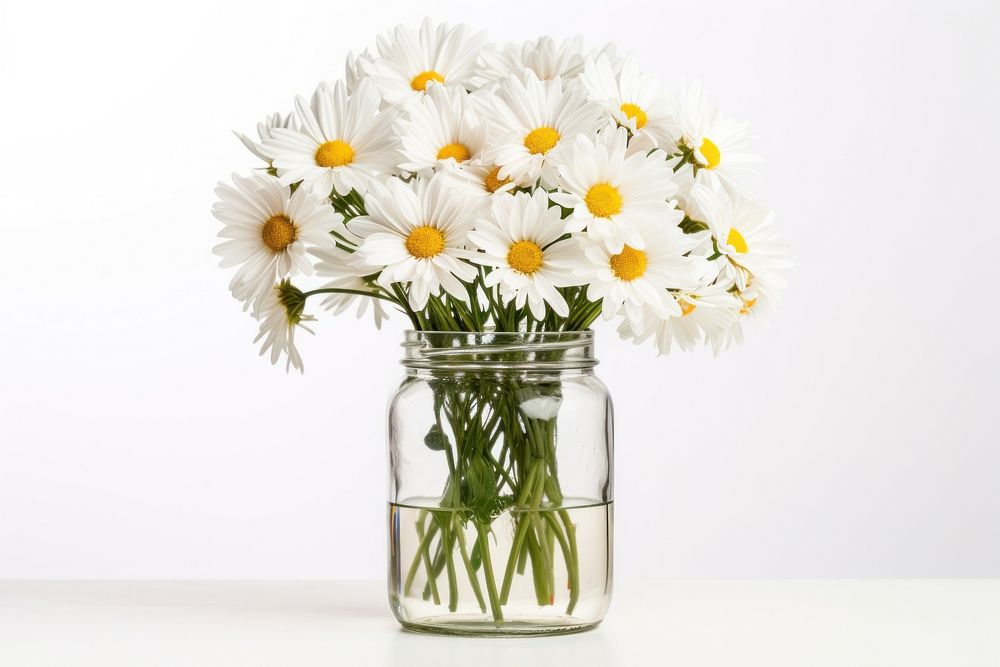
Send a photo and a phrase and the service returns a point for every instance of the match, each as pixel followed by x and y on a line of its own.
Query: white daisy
pixel 610 52
pixel 707 312
pixel 633 280
pixel 758 302
pixel 268 230
pixel 532 124
pixel 612 196
pixel 354 69
pixel 543 56
pixel 415 233
pixel 632 98
pixel 264 132
pixel 440 127
pixel 481 178
pixel 746 240
pixel 693 223
pixel 347 273
pixel 280 313
pixel 520 240
pixel 343 143
pixel 709 140
pixel 410 60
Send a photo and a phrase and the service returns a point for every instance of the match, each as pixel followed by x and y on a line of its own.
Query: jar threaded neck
pixel 499 350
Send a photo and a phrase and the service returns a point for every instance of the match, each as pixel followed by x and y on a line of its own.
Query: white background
pixel 141 436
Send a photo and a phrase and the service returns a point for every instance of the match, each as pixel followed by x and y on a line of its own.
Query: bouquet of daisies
pixel 530 187
pixel 472 188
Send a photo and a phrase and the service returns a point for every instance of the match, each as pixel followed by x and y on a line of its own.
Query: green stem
pixel 550 551
pixel 344 290
pixel 471 571
pixel 522 561
pixel 445 321
pixel 437 567
pixel 540 564
pixel 422 546
pixel 491 584
pixel 574 555
pixel 424 553
pixel 536 478
pixel 404 303
pixel 448 544
pixel 569 555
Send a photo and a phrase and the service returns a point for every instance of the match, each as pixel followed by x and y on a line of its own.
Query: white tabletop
pixel 952 623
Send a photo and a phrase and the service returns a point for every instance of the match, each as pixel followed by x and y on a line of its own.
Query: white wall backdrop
pixel 141 436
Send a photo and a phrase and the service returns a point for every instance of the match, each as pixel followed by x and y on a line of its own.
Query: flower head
pixel 707 313
pixel 354 69
pixel 744 234
pixel 709 140
pixel 414 234
pixel 633 99
pixel 275 120
pixel 267 231
pixel 344 141
pixel 482 178
pixel 280 312
pixel 544 57
pixel 532 124
pixel 441 127
pixel 635 280
pixel 411 61
pixel 614 194
pixel 521 240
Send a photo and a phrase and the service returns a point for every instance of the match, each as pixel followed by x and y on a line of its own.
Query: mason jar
pixel 500 484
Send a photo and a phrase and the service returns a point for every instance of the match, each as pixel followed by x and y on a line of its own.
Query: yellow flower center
pixel 278 232
pixel 603 200
pixel 492 181
pixel 629 264
pixel 736 240
pixel 636 112
pixel 710 152
pixel 541 140
pixel 747 305
pixel 686 307
pixel 424 242
pixel 335 153
pixel 525 256
pixel 420 81
pixel 456 151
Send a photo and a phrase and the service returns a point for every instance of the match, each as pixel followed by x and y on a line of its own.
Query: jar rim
pixel 489 331
pixel 491 350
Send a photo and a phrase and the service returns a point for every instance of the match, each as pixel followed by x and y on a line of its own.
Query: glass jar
pixel 500 484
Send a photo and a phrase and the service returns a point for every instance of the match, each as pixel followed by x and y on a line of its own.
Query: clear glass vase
pixel 500 484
